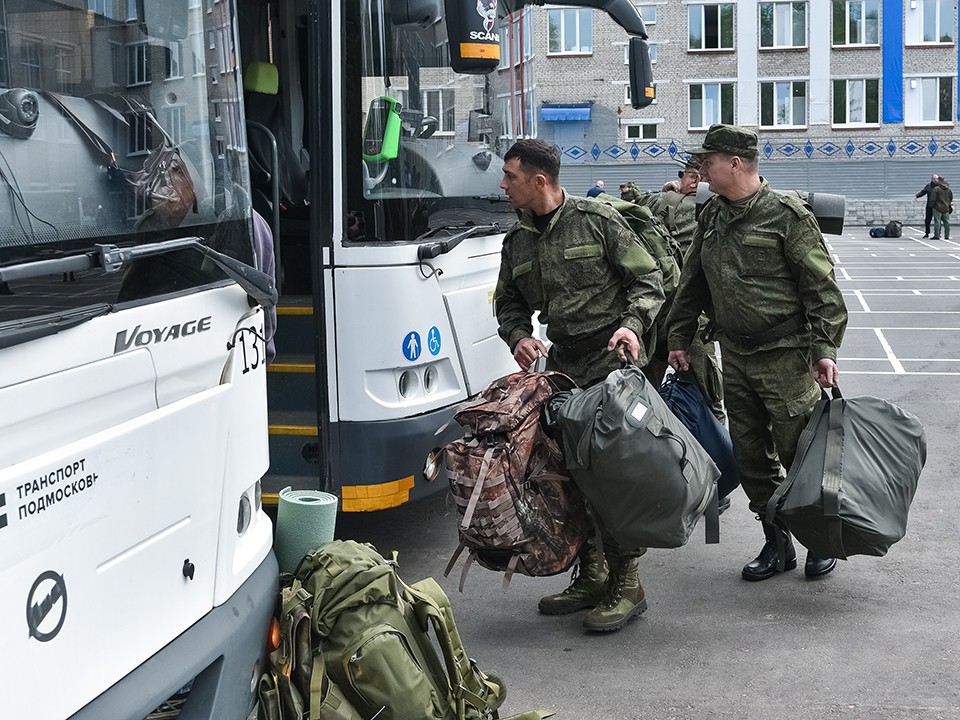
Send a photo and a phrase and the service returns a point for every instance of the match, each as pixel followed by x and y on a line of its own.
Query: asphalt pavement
pixel 877 639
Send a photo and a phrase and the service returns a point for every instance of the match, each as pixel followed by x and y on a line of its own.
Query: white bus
pixel 136 138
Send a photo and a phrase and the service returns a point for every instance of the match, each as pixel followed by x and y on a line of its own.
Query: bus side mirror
pixel 642 92
pixel 381 134
pixel 472 32
pixel 428 126
pixel 414 13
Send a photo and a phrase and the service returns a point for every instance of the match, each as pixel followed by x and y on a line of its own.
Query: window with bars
pixel 711 103
pixel 856 101
pixel 569 31
pixel 856 22
pixel 783 103
pixel 783 24
pixel 710 27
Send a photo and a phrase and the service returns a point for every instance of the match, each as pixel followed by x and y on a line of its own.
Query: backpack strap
pixel 511 568
pixel 477 489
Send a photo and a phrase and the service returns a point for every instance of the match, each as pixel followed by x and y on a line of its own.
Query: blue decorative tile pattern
pixel 800 149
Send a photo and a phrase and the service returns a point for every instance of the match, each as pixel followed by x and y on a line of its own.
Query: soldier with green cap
pixel 760 267
pixel 578 264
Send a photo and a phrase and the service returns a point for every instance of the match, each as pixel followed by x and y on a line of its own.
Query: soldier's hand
pixel 678 360
pixel 527 351
pixel 625 342
pixel 825 372
pixel 673 185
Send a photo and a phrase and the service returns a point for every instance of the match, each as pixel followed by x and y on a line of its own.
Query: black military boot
pixel 588 588
pixel 816 566
pixel 777 555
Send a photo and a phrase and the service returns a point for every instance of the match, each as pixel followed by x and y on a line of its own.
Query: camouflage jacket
pixel 759 268
pixel 587 275
pixel 678 212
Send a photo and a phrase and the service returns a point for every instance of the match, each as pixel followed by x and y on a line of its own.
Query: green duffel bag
pixel 856 470
pixel 645 475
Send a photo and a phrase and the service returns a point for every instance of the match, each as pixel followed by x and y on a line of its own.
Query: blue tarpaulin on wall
pixel 892 61
pixel 578 112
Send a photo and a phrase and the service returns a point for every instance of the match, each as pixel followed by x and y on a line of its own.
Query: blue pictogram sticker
pixel 433 340
pixel 411 346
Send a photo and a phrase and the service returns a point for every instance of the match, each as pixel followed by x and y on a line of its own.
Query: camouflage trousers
pixel 770 396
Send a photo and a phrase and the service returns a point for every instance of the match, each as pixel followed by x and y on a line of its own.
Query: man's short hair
pixel 536 155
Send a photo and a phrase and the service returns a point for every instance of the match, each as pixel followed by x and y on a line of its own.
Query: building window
pixel 935 101
pixel 98 6
pixel 138 64
pixel 783 24
pixel 856 102
pixel 131 9
pixel 783 104
pixel 711 27
pixel 138 135
pixel 710 103
pixel 440 104
pixel 30 52
pixel 648 13
pixel 4 69
pixel 570 31
pixel 856 22
pixel 63 67
pixel 172 119
pixel 640 130
pixel 174 59
pixel 510 52
pixel 196 41
pixel 937 21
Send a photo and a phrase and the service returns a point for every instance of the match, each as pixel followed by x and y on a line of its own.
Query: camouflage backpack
pixel 519 509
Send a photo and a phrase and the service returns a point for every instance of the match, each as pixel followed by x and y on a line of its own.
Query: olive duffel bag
pixel 853 479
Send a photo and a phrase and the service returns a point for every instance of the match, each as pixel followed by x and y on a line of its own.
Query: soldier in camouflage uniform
pixel 759 261
pixel 676 204
pixel 577 263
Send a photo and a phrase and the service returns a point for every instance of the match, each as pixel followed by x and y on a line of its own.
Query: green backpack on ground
pixel 356 645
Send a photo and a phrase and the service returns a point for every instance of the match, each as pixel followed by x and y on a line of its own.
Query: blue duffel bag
pixel 685 398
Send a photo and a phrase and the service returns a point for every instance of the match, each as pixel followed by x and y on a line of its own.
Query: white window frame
pixel 924 6
pixel 131 10
pixel 704 121
pixel 792 125
pixel 627 100
pixel 442 128
pixel 173 118
pixel 199 55
pixel 778 21
pixel 174 69
pixel 138 64
pixel 564 12
pixel 138 135
pixel 701 8
pixel 863 6
pixel 648 12
pixel 627 125
pixel 863 97
pixel 31 54
pixel 63 58
pixel 521 25
pixel 916 89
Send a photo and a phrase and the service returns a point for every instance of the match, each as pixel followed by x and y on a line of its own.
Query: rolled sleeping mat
pixel 306 519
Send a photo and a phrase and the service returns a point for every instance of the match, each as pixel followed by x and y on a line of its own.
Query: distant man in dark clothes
pixel 596 189
pixel 928 191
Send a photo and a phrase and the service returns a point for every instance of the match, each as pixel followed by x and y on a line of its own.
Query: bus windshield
pixel 422 145
pixel 121 123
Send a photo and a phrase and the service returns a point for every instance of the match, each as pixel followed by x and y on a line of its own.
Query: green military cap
pixel 728 139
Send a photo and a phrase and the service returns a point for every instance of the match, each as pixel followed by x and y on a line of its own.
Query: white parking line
pixel 925 243
pixel 897 367
pixel 846 275
pixel 863 303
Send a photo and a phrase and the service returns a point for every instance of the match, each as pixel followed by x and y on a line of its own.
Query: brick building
pixel 870 82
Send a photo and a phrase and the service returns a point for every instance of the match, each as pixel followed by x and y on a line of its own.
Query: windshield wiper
pixel 110 258
pixel 431 250
pixel 36 328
